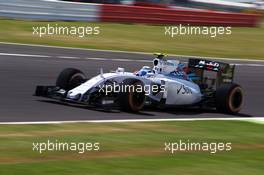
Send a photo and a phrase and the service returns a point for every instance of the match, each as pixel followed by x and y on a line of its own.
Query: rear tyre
pixel 133 98
pixel 229 98
pixel 70 78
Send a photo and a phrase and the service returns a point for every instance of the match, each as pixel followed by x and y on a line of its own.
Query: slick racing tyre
pixel 229 98
pixel 70 78
pixel 132 98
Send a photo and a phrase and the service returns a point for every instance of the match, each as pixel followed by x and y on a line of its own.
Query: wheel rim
pixel 136 99
pixel 76 80
pixel 236 99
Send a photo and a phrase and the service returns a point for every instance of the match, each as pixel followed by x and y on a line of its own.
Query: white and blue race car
pixel 200 83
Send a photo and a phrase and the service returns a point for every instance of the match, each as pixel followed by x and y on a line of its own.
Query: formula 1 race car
pixel 200 82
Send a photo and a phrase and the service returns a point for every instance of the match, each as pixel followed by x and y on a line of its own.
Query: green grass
pixel 133 148
pixel 242 43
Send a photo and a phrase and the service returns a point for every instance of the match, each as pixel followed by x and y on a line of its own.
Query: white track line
pixel 24 55
pixel 67 57
pixel 126 60
pixel 142 53
pixel 251 65
pixel 248 119
pixel 97 59
pixel 104 59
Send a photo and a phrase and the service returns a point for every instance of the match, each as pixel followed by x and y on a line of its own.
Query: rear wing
pixel 225 72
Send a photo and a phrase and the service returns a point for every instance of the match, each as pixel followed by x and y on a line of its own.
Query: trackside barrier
pixel 71 11
pixel 154 15
pixel 49 10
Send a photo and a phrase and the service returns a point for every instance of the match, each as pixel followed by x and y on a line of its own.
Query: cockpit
pixel 171 68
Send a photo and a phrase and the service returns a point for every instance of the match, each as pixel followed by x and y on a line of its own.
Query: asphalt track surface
pixel 23 67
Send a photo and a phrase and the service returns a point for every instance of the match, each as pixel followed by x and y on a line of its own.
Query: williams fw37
pixel 199 83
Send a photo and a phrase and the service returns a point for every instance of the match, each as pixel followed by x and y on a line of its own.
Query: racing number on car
pixel 184 90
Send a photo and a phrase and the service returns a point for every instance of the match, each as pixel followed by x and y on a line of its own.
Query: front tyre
pixel 70 78
pixel 132 99
pixel 229 98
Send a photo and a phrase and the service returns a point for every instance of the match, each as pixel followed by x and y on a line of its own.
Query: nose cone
pixel 73 96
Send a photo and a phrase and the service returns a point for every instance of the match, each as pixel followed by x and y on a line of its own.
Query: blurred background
pixel 193 12
pixel 126 25
pixel 223 5
pixel 138 25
